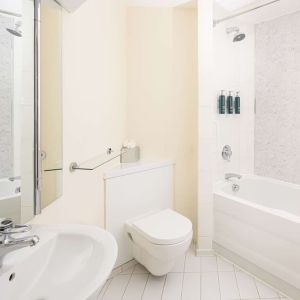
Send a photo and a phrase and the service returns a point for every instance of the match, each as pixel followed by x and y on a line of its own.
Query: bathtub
pixel 10 199
pixel 260 225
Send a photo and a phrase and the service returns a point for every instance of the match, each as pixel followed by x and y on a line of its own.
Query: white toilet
pixel 138 212
pixel 159 239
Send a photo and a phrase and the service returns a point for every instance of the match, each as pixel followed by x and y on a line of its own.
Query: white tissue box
pixel 130 155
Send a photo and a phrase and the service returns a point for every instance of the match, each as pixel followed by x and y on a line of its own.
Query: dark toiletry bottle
pixel 222 100
pixel 230 103
pixel 237 103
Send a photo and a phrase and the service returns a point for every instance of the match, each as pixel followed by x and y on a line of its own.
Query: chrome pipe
pixel 37 113
pixel 216 22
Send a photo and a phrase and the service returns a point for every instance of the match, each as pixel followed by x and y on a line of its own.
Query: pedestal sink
pixel 71 262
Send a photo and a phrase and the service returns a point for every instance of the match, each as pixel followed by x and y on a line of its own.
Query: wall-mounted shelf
pixel 97 161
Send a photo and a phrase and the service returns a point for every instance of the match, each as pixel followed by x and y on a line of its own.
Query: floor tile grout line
pixel 145 286
pixel 200 284
pixel 237 284
pixel 110 280
pixel 220 296
pixel 258 293
pixel 183 275
pixel 128 282
pixel 254 277
pixel 259 279
pixel 162 292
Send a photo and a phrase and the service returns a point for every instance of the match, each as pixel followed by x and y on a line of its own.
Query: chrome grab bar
pixel 14 178
pixel 228 176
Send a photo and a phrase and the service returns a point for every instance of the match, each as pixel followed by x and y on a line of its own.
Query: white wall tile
pixel 205 219
pixel 204 242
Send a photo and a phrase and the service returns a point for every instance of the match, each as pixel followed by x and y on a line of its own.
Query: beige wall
pixel 162 92
pixel 94 100
pixel 51 101
pixel 160 110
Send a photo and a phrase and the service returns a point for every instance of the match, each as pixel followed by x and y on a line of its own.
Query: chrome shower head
pixel 237 35
pixel 15 31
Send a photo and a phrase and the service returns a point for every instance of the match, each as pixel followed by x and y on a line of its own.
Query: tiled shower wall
pixel 6 98
pixel 234 70
pixel 277 124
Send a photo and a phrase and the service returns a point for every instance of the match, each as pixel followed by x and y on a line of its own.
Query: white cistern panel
pixel 133 190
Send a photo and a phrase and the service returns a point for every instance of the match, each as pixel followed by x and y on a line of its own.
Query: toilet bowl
pixel 158 239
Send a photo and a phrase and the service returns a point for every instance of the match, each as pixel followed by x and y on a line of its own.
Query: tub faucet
pixel 228 176
pixel 8 228
pixel 14 178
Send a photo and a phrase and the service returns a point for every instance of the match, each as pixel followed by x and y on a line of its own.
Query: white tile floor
pixel 201 278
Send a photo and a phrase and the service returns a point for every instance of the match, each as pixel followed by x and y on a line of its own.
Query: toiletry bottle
pixel 230 103
pixel 237 103
pixel 222 100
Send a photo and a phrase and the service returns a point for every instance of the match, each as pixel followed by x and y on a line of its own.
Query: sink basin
pixel 70 262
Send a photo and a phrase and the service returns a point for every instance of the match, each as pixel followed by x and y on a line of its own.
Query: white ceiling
pixel 267 13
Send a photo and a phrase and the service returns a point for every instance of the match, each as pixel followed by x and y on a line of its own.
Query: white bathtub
pixel 10 199
pixel 261 224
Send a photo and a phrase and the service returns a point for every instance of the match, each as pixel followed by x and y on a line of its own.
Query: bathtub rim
pixel 9 195
pixel 218 190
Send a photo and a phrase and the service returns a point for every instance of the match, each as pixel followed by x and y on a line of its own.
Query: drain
pixel 12 276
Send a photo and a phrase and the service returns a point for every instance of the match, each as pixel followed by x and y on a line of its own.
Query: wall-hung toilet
pixel 159 239
pixel 138 212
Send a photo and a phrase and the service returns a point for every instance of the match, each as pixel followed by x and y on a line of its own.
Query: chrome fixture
pixel 16 31
pixel 96 162
pixel 5 12
pixel 237 35
pixel 227 153
pixel 37 112
pixel 14 178
pixel 8 228
pixel 216 22
pixel 228 176
pixel 235 187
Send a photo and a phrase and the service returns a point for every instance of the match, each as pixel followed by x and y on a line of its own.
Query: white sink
pixel 70 262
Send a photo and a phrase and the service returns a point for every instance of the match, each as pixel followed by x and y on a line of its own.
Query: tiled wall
pixel 234 70
pixel 6 98
pixel 277 123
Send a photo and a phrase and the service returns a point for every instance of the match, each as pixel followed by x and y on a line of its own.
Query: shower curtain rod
pixel 5 12
pixel 243 12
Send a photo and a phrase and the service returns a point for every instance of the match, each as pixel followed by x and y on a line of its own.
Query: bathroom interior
pixel 149 149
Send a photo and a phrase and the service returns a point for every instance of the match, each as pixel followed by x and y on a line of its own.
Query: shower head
pixel 237 35
pixel 15 31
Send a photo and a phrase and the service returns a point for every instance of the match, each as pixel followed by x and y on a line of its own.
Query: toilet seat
pixel 165 227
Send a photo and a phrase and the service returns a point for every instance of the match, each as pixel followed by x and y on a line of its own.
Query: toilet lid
pixel 164 228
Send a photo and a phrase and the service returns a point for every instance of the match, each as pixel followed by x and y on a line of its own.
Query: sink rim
pixel 47 233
